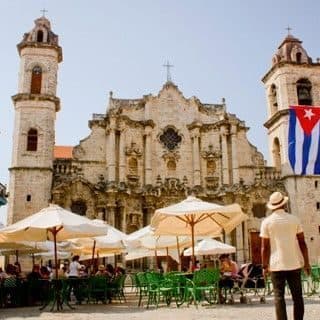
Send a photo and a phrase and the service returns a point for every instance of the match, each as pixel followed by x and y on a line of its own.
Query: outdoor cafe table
pixel 61 289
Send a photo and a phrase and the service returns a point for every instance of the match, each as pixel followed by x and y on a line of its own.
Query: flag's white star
pixel 308 114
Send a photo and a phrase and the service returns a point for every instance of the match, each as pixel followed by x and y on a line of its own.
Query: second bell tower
pixel 35 106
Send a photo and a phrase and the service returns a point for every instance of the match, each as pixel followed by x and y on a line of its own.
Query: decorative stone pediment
pixel 133 150
pixel 171 155
pixel 211 153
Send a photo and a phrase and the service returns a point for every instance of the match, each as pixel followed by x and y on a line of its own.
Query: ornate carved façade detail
pixel 168 155
pixel 133 150
pixel 211 153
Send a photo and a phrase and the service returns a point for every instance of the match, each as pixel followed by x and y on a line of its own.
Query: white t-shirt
pixel 74 269
pixel 281 228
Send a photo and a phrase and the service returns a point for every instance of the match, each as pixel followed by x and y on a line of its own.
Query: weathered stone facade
pixel 142 154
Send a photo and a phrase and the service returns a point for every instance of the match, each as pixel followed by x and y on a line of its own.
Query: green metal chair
pixel 159 289
pixel 142 285
pixel 203 286
pixel 315 278
pixel 178 282
pixel 116 287
pixel 98 289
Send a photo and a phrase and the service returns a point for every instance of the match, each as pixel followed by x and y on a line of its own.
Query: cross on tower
pixel 288 29
pixel 168 66
pixel 43 12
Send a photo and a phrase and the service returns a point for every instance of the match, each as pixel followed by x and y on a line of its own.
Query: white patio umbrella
pixel 193 216
pixel 210 246
pixel 110 244
pixel 146 239
pixel 53 223
pixel 138 253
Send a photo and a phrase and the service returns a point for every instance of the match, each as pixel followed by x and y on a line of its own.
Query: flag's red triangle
pixel 308 117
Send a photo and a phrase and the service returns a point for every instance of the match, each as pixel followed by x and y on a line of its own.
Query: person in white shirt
pixel 284 253
pixel 74 267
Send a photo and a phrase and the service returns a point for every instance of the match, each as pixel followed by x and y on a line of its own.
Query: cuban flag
pixel 304 139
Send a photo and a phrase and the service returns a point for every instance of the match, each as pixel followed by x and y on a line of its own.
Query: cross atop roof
pixel 43 12
pixel 168 66
pixel 288 29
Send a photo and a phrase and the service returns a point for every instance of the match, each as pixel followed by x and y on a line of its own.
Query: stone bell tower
pixel 35 106
pixel 292 80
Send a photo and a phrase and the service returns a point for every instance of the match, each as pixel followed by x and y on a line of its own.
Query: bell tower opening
pixel 298 57
pixel 276 154
pixel 304 92
pixel 36 80
pixel 273 99
pixel 40 36
pixel 32 140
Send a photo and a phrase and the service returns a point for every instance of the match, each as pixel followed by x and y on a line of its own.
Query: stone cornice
pixel 137 123
pixel 40 45
pixel 31 168
pixel 36 97
pixel 266 77
pixel 279 114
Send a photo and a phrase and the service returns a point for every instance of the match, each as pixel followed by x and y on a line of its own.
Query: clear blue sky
pixel 218 48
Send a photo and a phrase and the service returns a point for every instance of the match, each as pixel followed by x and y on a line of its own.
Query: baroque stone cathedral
pixel 150 152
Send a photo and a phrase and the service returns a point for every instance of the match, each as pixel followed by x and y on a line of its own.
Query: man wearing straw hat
pixel 284 253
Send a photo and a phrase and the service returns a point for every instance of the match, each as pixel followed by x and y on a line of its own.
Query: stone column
pixel 239 244
pixel 110 214
pixel 235 165
pixel 225 156
pixel 122 156
pixel 196 157
pixel 111 159
pixel 148 156
pixel 245 242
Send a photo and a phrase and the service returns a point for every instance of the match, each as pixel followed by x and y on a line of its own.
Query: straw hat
pixel 277 200
pixel 101 267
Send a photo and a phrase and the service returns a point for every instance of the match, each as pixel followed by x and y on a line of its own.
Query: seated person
pixel 229 271
pixel 228 267
pixel 101 270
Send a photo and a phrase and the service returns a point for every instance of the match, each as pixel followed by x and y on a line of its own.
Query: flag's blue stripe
pixel 292 138
pixel 305 152
pixel 317 163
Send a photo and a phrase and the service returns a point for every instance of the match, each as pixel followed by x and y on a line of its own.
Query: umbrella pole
pixel 167 258
pixel 33 259
pixel 93 251
pixel 156 259
pixel 192 239
pixel 54 232
pixel 17 256
pixel 178 249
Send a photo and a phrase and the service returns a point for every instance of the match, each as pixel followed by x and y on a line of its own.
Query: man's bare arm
pixel 265 253
pixel 304 251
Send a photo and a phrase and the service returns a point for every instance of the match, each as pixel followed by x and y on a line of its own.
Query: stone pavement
pixel 129 310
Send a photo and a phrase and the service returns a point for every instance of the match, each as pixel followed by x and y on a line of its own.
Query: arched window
pixel 171 166
pixel 298 57
pixel 304 92
pixel 40 36
pixel 276 154
pixel 79 207
pixel 32 140
pixel 273 99
pixel 133 166
pixel 36 80
pixel 211 167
